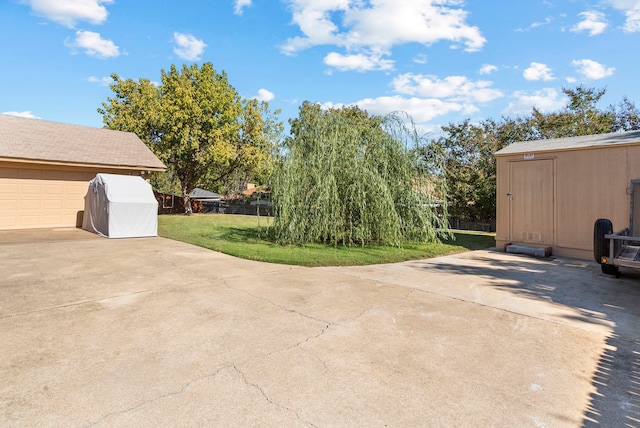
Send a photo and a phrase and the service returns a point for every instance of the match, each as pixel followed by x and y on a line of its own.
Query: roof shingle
pixel 43 141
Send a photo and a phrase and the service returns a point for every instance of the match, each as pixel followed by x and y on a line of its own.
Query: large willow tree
pixel 349 178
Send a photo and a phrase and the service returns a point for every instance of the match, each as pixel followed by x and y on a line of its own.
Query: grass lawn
pixel 245 237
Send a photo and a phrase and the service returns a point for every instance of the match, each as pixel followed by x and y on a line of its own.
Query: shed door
pixel 531 202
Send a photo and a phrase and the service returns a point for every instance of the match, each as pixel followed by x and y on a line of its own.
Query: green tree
pixel 580 116
pixel 627 116
pixel 346 177
pixel 470 166
pixel 196 123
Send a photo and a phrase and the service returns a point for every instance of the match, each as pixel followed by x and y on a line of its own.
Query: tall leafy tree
pixel 581 116
pixel 627 116
pixel 196 123
pixel 346 177
pixel 470 166
pixel 260 132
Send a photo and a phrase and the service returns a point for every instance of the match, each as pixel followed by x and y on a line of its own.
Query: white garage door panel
pixel 54 189
pixel 8 204
pixel 33 198
pixel 75 205
pixel 52 204
pixel 31 205
pixel 73 187
pixel 7 188
pixel 8 221
pixel 32 188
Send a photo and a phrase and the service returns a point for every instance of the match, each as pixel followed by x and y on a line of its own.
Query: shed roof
pixel 52 142
pixel 572 143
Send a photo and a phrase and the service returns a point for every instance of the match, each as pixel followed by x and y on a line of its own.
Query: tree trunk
pixel 187 202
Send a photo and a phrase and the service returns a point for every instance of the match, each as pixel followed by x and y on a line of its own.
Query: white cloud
pixel 538 71
pixel 69 12
pixel 571 79
pixel 103 81
pixel 453 88
pixel 240 5
pixel 546 100
pixel 548 20
pixel 592 70
pixel 375 27
pixel 26 114
pixel 593 22
pixel 425 97
pixel 631 9
pixel 93 45
pixel 421 110
pixel 358 62
pixel 265 95
pixel 421 59
pixel 487 69
pixel 188 47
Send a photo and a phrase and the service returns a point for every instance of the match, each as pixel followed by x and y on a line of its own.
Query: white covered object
pixel 120 206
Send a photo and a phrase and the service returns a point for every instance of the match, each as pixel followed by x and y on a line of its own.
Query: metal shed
pixel 550 192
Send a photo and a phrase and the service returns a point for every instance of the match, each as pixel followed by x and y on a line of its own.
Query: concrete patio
pixel 153 332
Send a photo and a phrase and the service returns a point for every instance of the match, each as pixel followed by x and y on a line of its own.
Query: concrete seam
pixel 268 399
pixel 264 299
pixel 169 394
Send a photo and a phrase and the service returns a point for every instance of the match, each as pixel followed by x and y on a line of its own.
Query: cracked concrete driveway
pixel 153 332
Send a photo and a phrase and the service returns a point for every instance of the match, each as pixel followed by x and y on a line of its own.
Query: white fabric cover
pixel 120 206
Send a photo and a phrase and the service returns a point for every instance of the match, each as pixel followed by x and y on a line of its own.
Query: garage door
pixel 39 198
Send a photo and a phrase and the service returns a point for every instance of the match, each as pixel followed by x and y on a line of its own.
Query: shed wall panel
pixel 591 184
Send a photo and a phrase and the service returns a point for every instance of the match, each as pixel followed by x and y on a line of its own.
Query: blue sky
pixel 441 61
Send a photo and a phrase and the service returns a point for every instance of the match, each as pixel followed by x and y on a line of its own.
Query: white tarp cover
pixel 120 206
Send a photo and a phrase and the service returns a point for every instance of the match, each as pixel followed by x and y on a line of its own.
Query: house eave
pixel 79 164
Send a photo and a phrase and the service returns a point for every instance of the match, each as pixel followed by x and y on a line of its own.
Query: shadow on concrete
pixel 598 299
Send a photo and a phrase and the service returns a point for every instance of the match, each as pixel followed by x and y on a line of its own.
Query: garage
pixel 550 192
pixel 45 168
